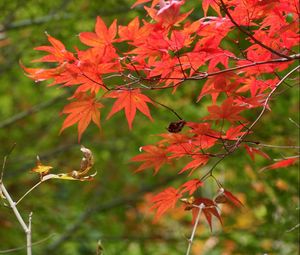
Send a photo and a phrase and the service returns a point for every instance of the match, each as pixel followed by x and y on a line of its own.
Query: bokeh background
pixel 69 218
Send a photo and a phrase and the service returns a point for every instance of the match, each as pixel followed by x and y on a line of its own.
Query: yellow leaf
pixel 40 168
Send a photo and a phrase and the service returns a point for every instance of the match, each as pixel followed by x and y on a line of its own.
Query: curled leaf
pixel 86 164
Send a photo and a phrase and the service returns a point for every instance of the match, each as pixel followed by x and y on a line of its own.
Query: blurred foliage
pixel 113 207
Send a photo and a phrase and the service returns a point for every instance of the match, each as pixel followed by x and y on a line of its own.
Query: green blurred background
pixel 69 218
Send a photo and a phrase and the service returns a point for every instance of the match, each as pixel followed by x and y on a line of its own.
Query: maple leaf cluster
pixel 166 52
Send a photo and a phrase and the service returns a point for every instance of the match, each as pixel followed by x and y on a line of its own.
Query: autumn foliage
pixel 243 53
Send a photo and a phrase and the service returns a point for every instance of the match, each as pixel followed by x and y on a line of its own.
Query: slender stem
pixel 167 107
pixel 201 206
pixel 24 247
pixel 265 105
pixel 13 207
pixel 27 192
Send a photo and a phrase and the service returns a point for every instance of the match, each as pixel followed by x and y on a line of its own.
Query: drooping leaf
pixel 164 201
pixel 198 160
pixel 227 111
pixel 84 110
pixel 281 164
pixel 225 196
pixel 191 186
pixel 153 156
pixel 209 210
pixel 212 3
pixel 129 100
pixel 255 151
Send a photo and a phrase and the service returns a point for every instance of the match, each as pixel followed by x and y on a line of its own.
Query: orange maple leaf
pixel 130 100
pixel 209 210
pixel 191 186
pixel 104 36
pixel 154 156
pixel 164 201
pixel 82 111
pixel 227 111
pixel 281 163
pixel 198 160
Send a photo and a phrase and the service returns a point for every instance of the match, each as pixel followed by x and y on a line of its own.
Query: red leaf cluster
pixel 164 52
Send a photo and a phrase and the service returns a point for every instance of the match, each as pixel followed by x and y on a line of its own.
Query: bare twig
pixel 24 247
pixel 265 105
pixel 294 122
pixel 4 192
pixel 293 228
pixel 28 235
pixel 26 228
pixel 28 191
pixel 30 111
pixel 201 207
pixel 117 202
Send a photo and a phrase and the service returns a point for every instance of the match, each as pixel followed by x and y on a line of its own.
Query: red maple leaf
pixel 227 111
pixel 209 210
pixel 225 196
pixel 82 111
pixel 164 201
pixel 233 198
pixel 234 133
pixel 281 163
pixel 213 4
pixel 130 100
pixel 198 160
pixel 102 37
pixel 154 156
pixel 254 151
pixel 58 52
pixel 191 186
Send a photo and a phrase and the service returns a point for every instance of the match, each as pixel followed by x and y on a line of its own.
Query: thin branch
pixel 4 192
pixel 4 161
pixel 293 228
pixel 249 34
pixel 28 236
pixel 18 216
pixel 24 247
pixel 117 202
pixel 205 75
pixel 27 192
pixel 201 207
pixel 26 113
pixel 294 122
pixel 167 107
pixel 278 146
pixel 265 105
pixel 278 60
pixel 13 207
